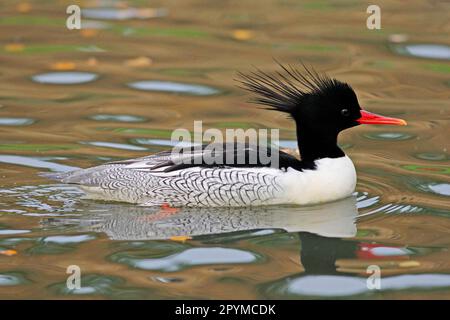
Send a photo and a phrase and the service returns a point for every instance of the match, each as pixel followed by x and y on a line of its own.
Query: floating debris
pixel 180 238
pixel 242 34
pixel 23 7
pixel 14 47
pixel 88 33
pixel 8 253
pixel 63 65
pixel 409 264
pixel 139 62
pixel 92 62
pixel 398 38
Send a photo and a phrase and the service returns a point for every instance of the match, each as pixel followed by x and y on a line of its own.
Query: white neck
pixel 333 179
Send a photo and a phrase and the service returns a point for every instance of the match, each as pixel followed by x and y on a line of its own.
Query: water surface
pixel 56 120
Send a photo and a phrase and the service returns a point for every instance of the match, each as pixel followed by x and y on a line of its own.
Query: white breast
pixel 333 178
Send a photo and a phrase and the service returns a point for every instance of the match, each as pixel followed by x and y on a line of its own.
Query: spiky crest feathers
pixel 287 89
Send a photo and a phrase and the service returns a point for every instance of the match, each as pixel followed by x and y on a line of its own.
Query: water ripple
pixel 174 87
pixel 65 77
pixel 346 286
pixel 189 258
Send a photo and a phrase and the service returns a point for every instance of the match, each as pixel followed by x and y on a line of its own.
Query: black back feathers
pixel 288 88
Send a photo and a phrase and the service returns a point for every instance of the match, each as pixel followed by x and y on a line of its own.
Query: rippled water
pixel 117 88
pixel 173 87
pixel 64 77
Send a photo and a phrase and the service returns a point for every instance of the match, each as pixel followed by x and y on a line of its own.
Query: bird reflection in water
pixel 128 222
pixel 321 228
pixel 326 233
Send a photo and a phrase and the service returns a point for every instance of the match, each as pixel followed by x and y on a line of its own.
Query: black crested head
pixel 321 106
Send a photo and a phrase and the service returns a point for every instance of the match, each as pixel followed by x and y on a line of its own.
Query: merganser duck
pixel 321 108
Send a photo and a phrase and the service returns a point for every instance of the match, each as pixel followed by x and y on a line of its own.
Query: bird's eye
pixel 345 112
